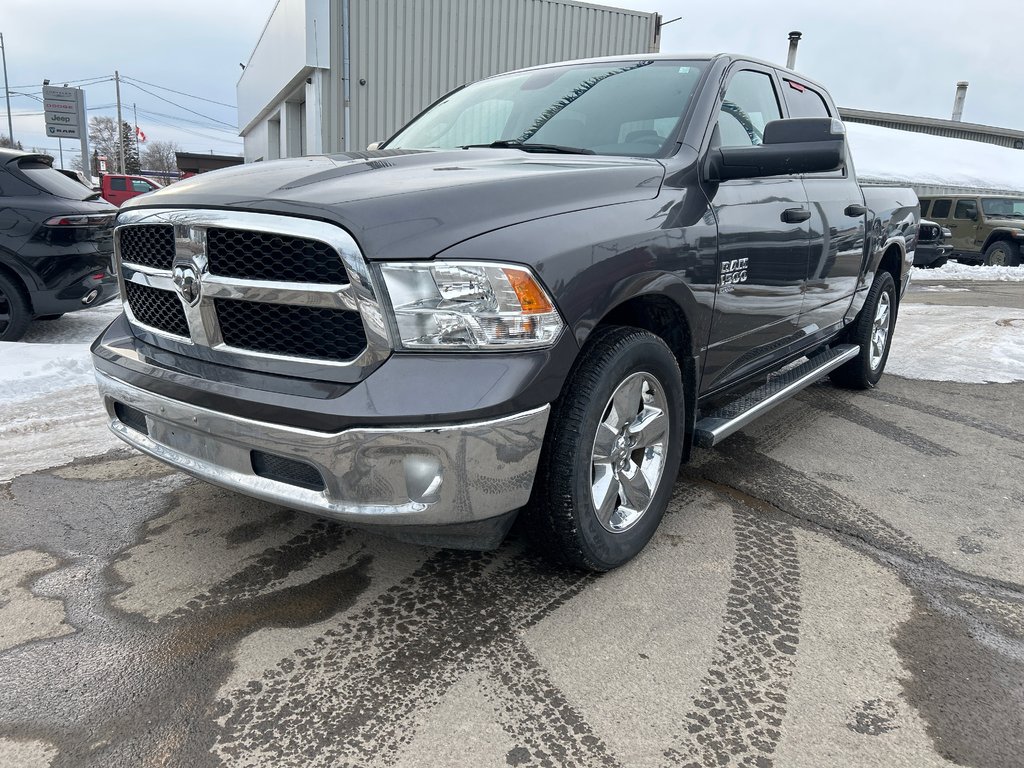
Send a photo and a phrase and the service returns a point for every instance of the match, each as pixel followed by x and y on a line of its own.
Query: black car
pixel 933 246
pixel 55 243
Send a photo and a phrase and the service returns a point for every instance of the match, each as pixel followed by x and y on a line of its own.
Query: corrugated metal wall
pixel 411 52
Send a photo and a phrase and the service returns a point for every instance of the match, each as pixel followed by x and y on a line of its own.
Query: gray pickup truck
pixel 534 299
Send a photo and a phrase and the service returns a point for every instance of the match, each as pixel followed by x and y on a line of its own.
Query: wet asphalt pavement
pixel 839 584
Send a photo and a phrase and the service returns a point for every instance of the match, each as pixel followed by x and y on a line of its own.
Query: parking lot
pixel 840 583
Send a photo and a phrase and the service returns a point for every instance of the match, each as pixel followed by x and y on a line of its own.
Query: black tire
pixel 860 373
pixel 15 312
pixel 50 317
pixel 1002 254
pixel 562 515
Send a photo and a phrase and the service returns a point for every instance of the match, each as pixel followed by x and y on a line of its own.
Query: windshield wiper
pixel 93 196
pixel 516 144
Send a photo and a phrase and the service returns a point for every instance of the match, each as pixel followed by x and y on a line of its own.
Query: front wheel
pixel 872 332
pixel 612 452
pixel 1002 254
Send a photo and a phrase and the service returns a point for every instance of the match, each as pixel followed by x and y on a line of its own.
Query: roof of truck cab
pixel 681 56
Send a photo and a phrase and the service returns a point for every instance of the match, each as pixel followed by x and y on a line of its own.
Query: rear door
pixel 763 240
pixel 837 224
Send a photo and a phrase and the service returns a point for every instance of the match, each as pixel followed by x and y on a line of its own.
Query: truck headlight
pixel 469 305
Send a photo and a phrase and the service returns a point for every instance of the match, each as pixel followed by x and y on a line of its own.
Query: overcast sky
pixel 890 55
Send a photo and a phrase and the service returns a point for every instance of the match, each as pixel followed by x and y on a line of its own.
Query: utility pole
pixel 7 91
pixel 120 123
pixel 135 113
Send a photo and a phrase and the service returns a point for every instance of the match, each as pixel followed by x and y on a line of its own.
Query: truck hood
pixel 401 204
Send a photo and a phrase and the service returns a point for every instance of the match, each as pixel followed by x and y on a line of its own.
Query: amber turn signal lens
pixel 531 296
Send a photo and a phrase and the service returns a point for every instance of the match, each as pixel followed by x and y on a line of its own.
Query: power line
pixel 180 93
pixel 179 106
pixel 191 131
pixel 84 80
pixel 211 126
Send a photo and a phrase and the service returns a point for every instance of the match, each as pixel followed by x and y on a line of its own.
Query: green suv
pixel 987 229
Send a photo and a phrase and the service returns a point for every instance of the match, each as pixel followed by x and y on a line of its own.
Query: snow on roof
pixel 917 159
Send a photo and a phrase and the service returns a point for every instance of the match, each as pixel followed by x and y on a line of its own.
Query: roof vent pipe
pixel 794 41
pixel 958 102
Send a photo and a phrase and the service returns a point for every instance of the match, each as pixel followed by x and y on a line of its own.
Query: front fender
pixel 592 261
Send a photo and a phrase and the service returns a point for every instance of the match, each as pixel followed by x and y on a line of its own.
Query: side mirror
pixel 373 146
pixel 793 146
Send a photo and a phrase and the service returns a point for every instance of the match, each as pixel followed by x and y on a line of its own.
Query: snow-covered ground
pixel 968 344
pixel 952 270
pixel 50 412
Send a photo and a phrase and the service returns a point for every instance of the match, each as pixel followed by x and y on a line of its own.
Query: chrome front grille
pixel 157 309
pixel 149 245
pixel 271 256
pixel 251 290
pixel 334 334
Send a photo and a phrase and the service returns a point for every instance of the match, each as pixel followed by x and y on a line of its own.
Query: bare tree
pixel 160 156
pixel 6 143
pixel 103 138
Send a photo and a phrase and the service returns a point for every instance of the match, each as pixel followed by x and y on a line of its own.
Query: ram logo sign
pixel 733 271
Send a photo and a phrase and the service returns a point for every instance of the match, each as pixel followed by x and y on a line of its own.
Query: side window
pixel 119 185
pixel 940 209
pixel 750 103
pixel 924 208
pixel 804 102
pixel 965 209
pixel 138 185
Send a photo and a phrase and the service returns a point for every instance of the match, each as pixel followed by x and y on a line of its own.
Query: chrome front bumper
pixel 418 476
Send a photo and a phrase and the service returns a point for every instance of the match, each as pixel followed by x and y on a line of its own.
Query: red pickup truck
pixel 116 188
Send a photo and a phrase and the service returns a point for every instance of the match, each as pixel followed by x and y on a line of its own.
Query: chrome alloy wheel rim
pixel 880 330
pixel 628 456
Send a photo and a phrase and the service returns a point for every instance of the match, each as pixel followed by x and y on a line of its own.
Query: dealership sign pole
pixel 64 113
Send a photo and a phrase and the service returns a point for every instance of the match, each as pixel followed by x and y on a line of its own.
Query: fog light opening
pixel 423 478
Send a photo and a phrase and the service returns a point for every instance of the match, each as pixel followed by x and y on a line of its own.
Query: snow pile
pixel 32 370
pixel 952 270
pixel 967 344
pixel 50 411
pixel 889 155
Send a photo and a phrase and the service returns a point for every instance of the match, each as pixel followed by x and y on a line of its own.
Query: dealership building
pixel 336 75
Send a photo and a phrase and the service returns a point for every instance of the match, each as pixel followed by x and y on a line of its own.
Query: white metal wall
pixel 411 52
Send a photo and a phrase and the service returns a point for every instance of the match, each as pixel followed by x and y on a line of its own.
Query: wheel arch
pixel 665 318
pixel 995 236
pixel 19 282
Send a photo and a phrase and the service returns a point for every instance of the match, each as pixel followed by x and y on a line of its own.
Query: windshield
pixel 53 181
pixel 1003 207
pixel 619 108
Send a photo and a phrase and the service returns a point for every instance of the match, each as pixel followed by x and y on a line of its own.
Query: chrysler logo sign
pixel 186 280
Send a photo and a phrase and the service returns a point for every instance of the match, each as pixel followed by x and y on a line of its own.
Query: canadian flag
pixel 138 132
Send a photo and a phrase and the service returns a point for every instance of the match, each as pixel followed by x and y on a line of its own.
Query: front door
pixel 763 241
pixel 964 225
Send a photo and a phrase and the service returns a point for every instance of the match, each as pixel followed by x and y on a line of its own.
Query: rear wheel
pixel 872 332
pixel 1002 254
pixel 14 310
pixel 612 452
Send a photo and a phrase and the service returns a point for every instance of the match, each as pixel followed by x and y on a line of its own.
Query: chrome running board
pixel 719 424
